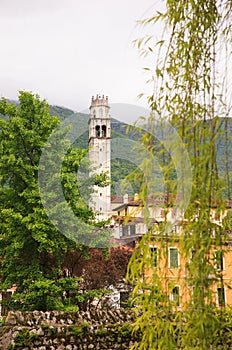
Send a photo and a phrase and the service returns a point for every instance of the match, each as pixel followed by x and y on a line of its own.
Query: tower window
pixel 100 194
pixel 98 133
pixel 103 131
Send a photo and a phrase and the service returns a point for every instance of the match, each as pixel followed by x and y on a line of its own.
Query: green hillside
pixel 121 166
pixel 124 158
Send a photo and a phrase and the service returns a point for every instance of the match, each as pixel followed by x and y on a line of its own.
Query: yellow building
pixel 172 268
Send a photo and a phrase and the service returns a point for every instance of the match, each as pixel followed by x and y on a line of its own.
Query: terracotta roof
pixel 136 203
pixel 132 220
pixel 124 240
pixel 119 199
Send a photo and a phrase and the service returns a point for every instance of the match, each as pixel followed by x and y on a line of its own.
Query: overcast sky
pixel 68 50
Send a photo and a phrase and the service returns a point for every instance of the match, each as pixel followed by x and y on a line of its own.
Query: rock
pixel 38 331
pixel 69 347
pixel 47 315
pixel 10 319
pixel 61 347
pixel 67 331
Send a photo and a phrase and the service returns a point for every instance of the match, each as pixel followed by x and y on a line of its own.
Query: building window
pixel 154 255
pixel 174 229
pixel 193 252
pixel 173 258
pixel 219 260
pixel 221 297
pixel 100 194
pixel 125 230
pixel 132 229
pixel 175 295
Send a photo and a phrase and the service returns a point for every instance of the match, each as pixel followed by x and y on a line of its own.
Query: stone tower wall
pixel 100 152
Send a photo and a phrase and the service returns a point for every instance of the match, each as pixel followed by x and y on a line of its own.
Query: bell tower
pixel 99 152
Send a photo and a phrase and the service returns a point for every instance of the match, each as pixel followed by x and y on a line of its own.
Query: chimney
pixel 136 197
pixel 125 198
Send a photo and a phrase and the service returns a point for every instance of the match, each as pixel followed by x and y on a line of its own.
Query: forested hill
pixel 120 164
pixel 123 159
pixel 119 129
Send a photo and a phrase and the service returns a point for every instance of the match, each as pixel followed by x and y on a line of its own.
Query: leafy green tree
pixel 27 238
pixel 64 294
pixel 32 249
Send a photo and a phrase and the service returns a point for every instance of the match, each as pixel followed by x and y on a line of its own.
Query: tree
pixel 190 96
pixel 32 249
pixel 100 269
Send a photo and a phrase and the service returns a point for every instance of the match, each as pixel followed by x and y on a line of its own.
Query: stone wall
pixel 67 330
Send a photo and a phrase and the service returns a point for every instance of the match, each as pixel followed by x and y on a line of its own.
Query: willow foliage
pixel 190 94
